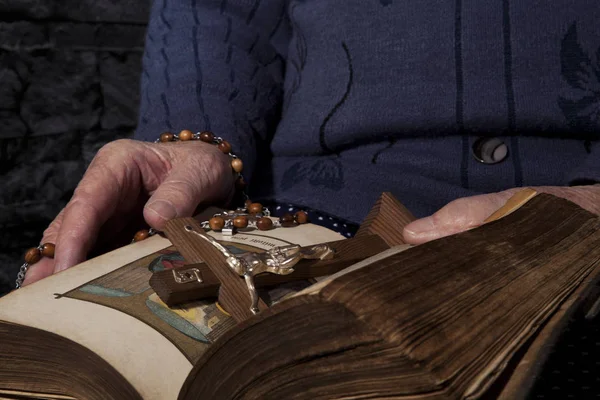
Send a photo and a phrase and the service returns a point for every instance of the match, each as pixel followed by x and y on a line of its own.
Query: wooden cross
pixel 207 274
pixel 233 295
pixel 197 281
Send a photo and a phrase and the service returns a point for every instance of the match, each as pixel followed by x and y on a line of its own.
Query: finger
pixel 201 179
pixel 84 215
pixel 39 270
pixel 94 201
pixel 457 216
pixel 587 197
pixel 45 266
pixel 120 229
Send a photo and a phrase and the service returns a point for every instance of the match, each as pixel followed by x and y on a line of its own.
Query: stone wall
pixel 69 82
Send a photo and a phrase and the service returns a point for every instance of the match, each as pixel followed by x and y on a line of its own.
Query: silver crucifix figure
pixel 279 260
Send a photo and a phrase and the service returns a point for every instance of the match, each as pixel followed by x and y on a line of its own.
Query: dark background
pixel 69 82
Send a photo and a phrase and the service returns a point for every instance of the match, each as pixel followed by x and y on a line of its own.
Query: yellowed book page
pixel 145 357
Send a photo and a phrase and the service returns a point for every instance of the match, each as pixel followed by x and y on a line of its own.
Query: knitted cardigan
pixel 331 102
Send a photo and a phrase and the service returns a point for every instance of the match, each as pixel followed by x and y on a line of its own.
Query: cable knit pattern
pixel 215 65
pixel 358 87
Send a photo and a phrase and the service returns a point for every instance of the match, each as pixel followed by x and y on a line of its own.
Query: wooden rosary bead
pixel 207 137
pixel 237 165
pixel 240 222
pixel 141 235
pixel 287 220
pixel 247 204
pixel 225 147
pixel 301 217
pixel 264 224
pixel 255 208
pixel 167 137
pixel 216 223
pixel 185 135
pixel 33 255
pixel 48 250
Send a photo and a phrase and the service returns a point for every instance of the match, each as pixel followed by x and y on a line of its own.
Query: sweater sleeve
pixel 589 171
pixel 215 65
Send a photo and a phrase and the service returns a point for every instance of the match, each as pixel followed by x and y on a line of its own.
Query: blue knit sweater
pixel 331 102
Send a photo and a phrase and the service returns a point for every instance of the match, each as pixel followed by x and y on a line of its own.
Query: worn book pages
pixel 18 395
pixel 322 282
pixel 448 319
pixel 88 305
pixel 120 339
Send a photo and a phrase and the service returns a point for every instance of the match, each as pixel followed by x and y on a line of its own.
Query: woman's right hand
pixel 126 178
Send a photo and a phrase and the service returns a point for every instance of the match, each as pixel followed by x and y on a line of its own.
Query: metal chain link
pixel 21 275
pixel 23 272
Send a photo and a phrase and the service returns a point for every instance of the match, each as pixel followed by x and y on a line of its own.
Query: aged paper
pixel 324 281
pixel 137 348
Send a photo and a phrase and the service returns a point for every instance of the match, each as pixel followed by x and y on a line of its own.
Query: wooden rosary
pixel 252 215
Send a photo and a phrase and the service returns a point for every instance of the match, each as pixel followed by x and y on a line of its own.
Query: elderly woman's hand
pixel 164 180
pixel 470 212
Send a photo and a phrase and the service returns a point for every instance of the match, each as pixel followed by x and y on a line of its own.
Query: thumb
pixel 184 188
pixel 455 217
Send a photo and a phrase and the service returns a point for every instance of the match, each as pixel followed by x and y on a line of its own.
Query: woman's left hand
pixel 470 212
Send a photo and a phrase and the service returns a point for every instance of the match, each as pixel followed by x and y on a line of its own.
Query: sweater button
pixel 489 150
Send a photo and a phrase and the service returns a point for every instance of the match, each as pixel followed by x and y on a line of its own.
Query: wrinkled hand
pixel 470 212
pixel 164 180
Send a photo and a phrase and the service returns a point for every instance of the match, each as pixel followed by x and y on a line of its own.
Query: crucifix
pixel 213 271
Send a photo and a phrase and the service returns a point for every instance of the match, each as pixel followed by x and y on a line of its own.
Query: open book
pixel 466 316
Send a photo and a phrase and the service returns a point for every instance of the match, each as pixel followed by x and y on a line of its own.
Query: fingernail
pixel 67 261
pixel 420 226
pixel 163 208
pixel 60 267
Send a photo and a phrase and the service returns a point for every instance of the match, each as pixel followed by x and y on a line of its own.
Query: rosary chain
pixel 23 271
pixel 252 217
